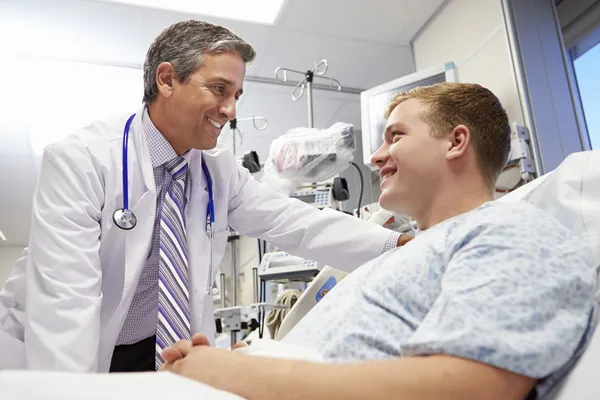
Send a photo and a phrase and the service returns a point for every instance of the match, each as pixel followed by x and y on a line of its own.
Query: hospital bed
pixel 571 193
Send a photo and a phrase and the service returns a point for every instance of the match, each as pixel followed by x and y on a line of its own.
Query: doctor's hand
pixel 403 239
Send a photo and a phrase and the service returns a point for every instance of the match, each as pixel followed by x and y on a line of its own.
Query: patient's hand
pixel 182 348
pixel 219 368
pixel 239 345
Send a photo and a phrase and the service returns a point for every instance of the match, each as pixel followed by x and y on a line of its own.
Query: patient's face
pixel 411 160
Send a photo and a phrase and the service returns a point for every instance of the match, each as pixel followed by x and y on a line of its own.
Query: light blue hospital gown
pixel 505 284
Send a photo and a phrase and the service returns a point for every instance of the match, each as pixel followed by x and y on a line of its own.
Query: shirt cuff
pixel 392 242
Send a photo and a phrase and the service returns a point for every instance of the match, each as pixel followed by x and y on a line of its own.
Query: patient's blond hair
pixel 449 104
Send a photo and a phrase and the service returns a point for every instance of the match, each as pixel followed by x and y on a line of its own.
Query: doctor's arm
pixel 328 236
pixel 63 267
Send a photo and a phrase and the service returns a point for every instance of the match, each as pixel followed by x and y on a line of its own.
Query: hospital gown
pixel 504 284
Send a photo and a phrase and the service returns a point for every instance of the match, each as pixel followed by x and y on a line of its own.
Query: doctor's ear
pixel 165 78
pixel 458 141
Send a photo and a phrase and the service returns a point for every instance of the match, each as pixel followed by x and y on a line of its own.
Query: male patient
pixel 489 301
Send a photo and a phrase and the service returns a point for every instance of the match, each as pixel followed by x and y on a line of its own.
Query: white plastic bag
pixel 309 155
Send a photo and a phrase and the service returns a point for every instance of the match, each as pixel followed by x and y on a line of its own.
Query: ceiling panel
pixel 381 21
pixel 392 62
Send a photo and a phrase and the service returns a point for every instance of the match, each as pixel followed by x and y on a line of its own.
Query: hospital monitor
pixel 374 102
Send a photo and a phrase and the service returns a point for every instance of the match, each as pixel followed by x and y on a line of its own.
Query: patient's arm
pixel 432 377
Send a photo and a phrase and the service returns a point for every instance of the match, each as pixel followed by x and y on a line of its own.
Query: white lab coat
pixel 66 301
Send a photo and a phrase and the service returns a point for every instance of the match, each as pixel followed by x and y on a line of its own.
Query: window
pixel 587 72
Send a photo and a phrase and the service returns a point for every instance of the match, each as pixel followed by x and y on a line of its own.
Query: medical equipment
pixel 520 168
pixel 123 217
pixel 316 290
pixel 233 125
pixel 250 161
pixel 279 266
pixel 239 318
pixel 320 196
pixel 317 72
pixel 309 155
pixel 126 219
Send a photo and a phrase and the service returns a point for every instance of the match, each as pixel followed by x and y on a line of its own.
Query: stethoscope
pixel 125 219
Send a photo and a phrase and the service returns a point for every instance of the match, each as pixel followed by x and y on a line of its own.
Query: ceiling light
pixel 2 237
pixel 261 11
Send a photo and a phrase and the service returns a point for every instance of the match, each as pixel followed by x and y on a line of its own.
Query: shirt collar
pixel 160 149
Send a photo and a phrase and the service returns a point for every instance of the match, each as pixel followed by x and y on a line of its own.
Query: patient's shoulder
pixel 517 218
pixel 513 227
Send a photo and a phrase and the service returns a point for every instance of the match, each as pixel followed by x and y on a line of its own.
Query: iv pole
pixel 233 124
pixel 317 72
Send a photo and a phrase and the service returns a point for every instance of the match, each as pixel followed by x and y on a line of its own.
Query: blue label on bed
pixel 327 286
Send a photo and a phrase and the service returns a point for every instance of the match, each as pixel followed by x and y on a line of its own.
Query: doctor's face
pixel 201 106
pixel 411 160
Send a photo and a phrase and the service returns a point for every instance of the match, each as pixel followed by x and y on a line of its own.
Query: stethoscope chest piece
pixel 124 219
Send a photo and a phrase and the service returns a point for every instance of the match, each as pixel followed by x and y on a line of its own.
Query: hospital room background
pixel 67 62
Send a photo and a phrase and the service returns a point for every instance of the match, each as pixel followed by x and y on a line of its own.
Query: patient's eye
pixel 395 136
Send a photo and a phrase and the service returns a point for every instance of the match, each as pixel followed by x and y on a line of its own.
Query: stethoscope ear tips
pixel 124 219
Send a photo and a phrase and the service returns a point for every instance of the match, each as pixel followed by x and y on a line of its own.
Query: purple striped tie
pixel 173 295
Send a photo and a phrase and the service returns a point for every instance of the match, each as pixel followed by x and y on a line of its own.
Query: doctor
pixel 130 220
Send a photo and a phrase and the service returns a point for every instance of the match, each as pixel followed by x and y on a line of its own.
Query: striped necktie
pixel 173 294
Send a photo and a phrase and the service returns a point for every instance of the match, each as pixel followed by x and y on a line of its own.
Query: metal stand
pixel 222 277
pixel 233 124
pixel 255 280
pixel 317 72
pixel 234 319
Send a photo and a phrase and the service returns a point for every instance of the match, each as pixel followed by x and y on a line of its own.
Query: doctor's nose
pixel 381 156
pixel 228 109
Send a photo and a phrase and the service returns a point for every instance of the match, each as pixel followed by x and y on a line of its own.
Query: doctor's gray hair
pixel 184 45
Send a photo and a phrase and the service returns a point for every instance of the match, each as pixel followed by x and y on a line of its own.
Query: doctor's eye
pixel 219 89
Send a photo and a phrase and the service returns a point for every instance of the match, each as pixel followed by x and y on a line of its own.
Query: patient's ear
pixel 458 142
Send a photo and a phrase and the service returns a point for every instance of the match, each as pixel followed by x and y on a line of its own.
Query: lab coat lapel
pixel 198 243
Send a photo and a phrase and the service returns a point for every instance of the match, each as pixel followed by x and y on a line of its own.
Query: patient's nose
pixel 381 156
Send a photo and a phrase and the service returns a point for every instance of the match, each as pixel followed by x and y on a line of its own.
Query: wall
pixel 514 48
pixel 472 34
pixel 8 256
